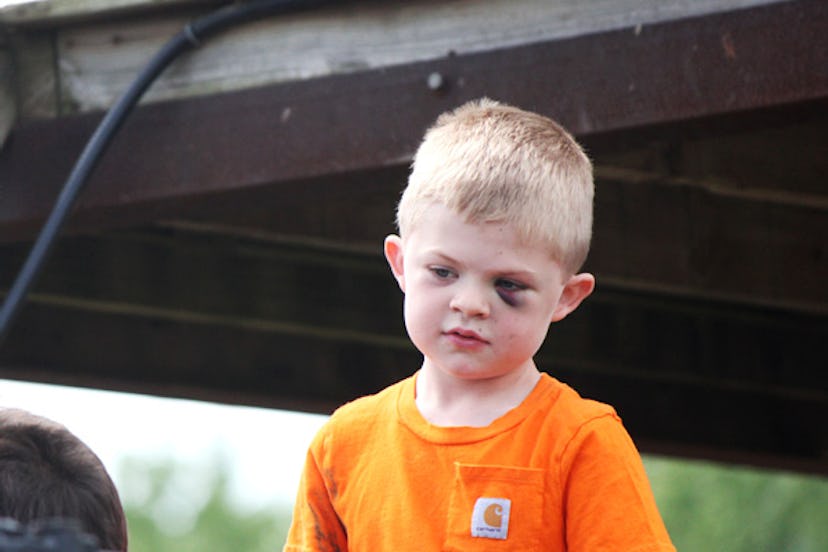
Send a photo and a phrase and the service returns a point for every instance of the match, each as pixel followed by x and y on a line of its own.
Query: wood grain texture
pixel 97 60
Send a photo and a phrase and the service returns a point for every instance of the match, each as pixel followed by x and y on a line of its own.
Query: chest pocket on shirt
pixel 495 508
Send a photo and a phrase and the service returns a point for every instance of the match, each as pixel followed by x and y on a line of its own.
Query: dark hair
pixel 47 472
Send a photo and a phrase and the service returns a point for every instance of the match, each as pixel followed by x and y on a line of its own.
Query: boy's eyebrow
pixel 437 253
pixel 526 277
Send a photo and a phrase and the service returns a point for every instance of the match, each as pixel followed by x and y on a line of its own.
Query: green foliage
pixel 172 507
pixel 715 507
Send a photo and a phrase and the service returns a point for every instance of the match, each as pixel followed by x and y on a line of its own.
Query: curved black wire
pixel 191 36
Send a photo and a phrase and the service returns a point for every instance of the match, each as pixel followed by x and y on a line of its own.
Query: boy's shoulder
pixel 356 424
pixel 364 411
pixel 568 407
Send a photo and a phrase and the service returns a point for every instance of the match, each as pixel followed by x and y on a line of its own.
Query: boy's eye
pixel 441 272
pixel 509 291
pixel 509 285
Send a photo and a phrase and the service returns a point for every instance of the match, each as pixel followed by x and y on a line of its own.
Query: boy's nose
pixel 470 302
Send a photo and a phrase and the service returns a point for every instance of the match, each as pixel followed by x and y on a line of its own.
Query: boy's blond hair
pixel 493 162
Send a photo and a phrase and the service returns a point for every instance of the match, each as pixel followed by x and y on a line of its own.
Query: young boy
pixel 46 472
pixel 479 450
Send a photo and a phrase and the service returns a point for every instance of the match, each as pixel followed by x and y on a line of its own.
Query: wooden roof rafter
pixel 705 130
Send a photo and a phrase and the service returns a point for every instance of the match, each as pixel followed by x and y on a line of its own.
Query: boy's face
pixel 478 301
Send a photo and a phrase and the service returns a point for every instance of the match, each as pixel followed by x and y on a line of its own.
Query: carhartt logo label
pixel 490 518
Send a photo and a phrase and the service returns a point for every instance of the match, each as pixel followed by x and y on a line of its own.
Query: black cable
pixel 193 34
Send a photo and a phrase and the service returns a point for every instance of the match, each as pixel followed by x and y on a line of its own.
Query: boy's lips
pixel 464 337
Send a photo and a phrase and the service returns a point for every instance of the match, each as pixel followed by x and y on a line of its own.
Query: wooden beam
pixel 774 154
pixel 272 136
pixel 299 326
pixel 708 330
pixel 101 48
pixel 657 234
pixel 349 295
pixel 53 12
pixel 651 232
pixel 232 280
pixel 8 103
pixel 209 359
pixel 35 86
pixel 697 417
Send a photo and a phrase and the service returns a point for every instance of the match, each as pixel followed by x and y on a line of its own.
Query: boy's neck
pixel 447 401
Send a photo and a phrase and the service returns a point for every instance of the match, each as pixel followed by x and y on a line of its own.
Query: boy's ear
pixel 575 290
pixel 394 256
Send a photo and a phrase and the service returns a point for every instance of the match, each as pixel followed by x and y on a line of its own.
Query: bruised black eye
pixel 509 285
pixel 509 291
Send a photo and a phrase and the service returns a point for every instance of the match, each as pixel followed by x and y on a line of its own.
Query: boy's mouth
pixel 464 337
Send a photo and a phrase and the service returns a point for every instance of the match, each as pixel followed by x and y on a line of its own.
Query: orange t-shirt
pixel 558 472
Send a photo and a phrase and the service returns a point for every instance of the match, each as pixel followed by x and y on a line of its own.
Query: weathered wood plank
pixel 334 294
pixel 8 102
pixel 247 281
pixel 177 151
pixel 98 61
pixel 708 329
pixel 227 363
pixel 44 13
pixel 33 82
pixel 774 154
pixel 654 234
pixel 651 231
pixel 690 418
pixel 303 327
pixel 649 235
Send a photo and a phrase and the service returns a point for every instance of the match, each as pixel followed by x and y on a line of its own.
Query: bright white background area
pixel 264 448
pixel 11 2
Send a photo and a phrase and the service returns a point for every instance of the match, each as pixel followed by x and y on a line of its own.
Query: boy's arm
pixel 609 504
pixel 315 527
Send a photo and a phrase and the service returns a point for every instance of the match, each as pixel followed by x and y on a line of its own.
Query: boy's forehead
pixel 431 207
pixel 486 234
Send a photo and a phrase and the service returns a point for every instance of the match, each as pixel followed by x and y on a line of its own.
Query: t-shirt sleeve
pixel 608 502
pixel 315 526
